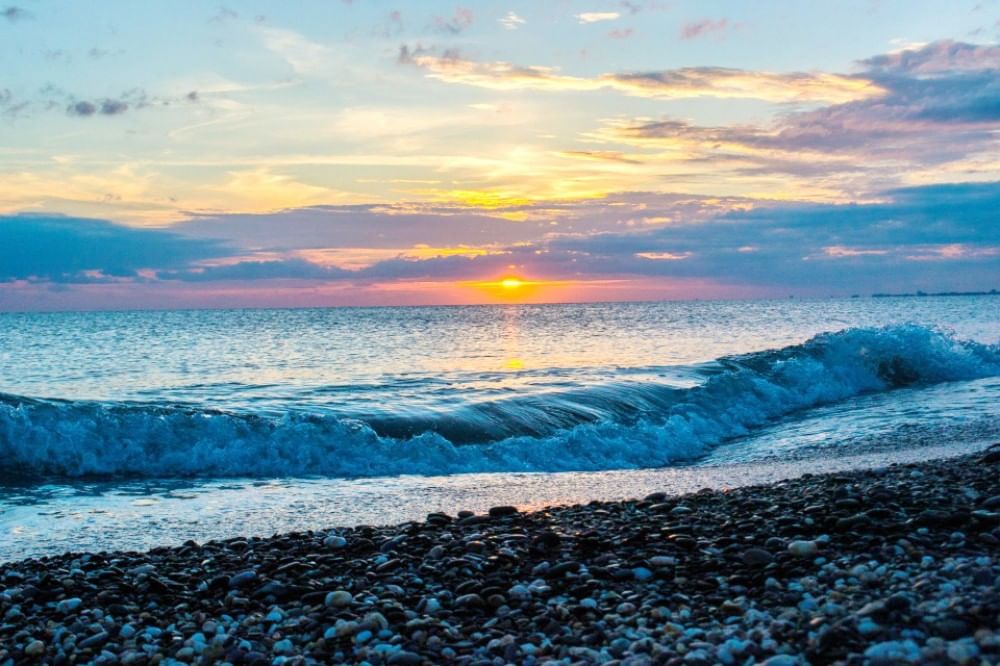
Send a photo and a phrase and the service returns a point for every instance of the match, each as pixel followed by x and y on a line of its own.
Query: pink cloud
pixel 703 27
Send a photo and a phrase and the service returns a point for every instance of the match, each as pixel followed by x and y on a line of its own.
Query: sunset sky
pixel 185 154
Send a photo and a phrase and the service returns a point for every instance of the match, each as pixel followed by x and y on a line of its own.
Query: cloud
pixel 668 84
pixel 736 83
pixel 242 271
pixel 10 106
pixel 511 21
pixel 365 226
pixel 932 238
pixel 597 17
pixel 927 114
pixel 664 256
pixel 703 27
pixel 461 20
pixel 601 155
pixel 937 237
pixel 224 15
pixel 412 55
pixel 392 25
pixel 63 249
pixel 453 68
pixel 52 97
pixel 13 13
pixel 651 5
pixel 303 55
pixel 950 226
pixel 941 57
pixel 941 237
pixel 106 107
pixel 961 79
pixel 619 33
pixel 82 109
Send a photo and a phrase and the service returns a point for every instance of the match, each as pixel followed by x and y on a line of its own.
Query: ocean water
pixel 130 429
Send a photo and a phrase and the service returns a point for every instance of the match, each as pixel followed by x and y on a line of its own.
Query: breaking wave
pixel 615 425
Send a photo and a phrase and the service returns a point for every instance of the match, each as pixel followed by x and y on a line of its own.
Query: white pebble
pixel 803 548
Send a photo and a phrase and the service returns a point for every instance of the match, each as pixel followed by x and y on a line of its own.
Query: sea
pixel 130 430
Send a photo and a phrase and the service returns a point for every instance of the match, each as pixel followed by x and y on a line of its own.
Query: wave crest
pixel 606 427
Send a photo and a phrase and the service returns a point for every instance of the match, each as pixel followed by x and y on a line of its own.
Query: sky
pixel 180 153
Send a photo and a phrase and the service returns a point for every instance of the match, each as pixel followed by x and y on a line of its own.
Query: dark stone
pixel 932 517
pixel 898 602
pixel 390 565
pixel 438 519
pixel 992 455
pixel 951 628
pixel 983 577
pixel 96 640
pixel 243 579
pixel 756 557
pixel 470 601
pixel 473 520
pixel 561 569
pixel 547 540
pixel 987 517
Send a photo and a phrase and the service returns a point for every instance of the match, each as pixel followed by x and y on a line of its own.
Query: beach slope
pixel 896 565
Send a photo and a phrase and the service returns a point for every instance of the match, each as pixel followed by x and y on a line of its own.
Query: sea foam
pixel 593 428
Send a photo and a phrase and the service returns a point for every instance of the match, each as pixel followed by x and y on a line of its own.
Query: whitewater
pixel 121 424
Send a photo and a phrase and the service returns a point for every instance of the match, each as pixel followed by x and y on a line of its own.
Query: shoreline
pixel 892 565
pixel 141 514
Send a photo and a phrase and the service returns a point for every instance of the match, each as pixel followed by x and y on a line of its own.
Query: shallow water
pixel 136 516
pixel 142 428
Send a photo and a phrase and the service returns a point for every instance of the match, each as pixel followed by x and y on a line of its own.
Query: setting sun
pixel 513 289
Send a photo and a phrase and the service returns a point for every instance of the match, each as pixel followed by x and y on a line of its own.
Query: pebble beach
pixel 883 566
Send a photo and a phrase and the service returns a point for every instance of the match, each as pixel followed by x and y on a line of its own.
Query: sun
pixel 511 288
pixel 511 283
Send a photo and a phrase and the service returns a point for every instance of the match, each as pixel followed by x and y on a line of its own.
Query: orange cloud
pixel 681 83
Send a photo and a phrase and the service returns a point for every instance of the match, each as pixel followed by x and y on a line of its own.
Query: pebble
pixel 338 599
pixel 757 557
pixel 519 592
pixel 894 652
pixel 68 605
pixel 963 652
pixel 782 660
pixel 99 638
pixel 335 541
pixel 403 658
pixel 243 579
pixel 803 548
pixel 470 601
pixel 673 581
pixel 642 573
